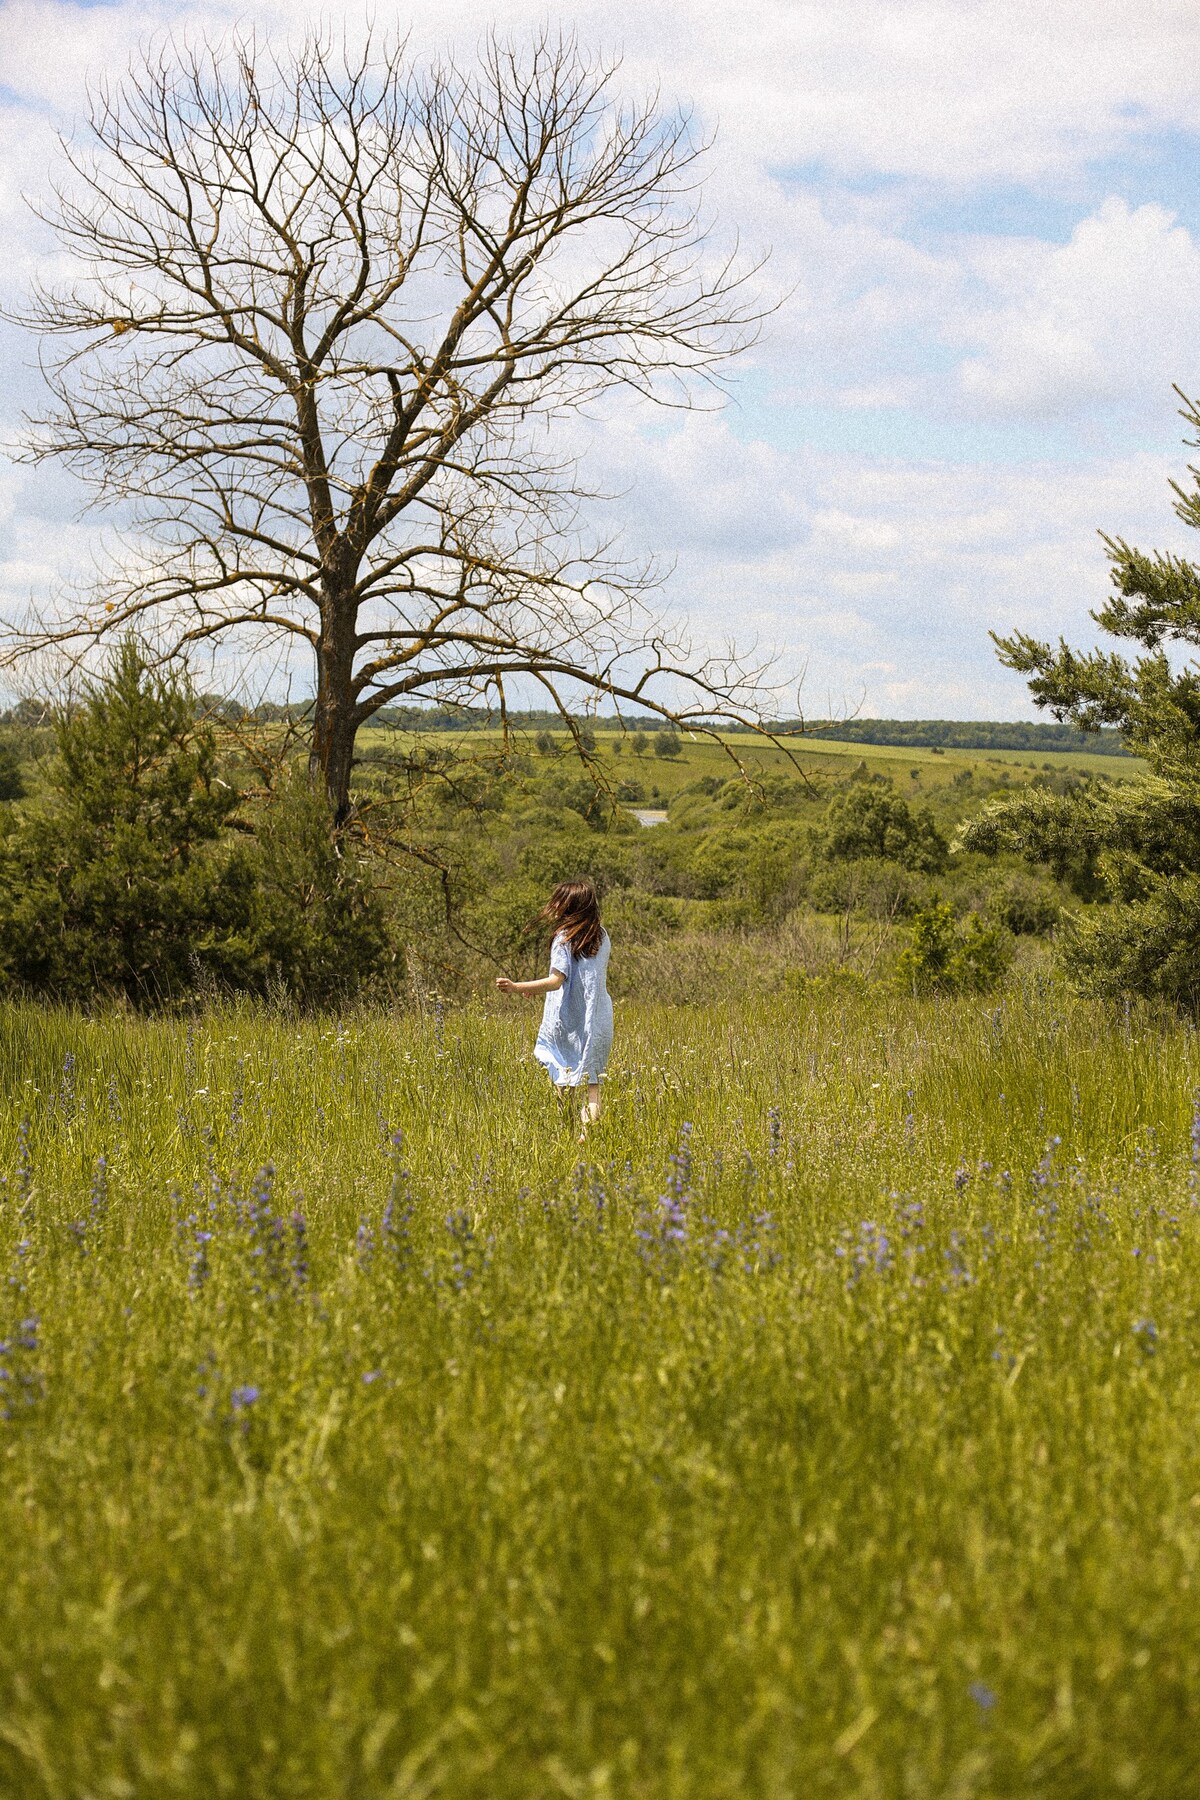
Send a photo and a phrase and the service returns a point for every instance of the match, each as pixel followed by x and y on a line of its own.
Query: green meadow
pixel 822 759
pixel 828 1424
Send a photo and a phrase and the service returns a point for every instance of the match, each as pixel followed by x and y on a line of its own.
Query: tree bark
pixel 335 723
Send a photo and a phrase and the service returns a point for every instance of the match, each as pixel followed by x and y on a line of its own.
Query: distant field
pixel 1119 768
pixel 823 758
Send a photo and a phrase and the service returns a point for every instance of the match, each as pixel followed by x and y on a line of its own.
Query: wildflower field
pixel 828 1425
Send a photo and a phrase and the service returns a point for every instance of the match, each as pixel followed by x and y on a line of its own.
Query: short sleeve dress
pixel 576 1033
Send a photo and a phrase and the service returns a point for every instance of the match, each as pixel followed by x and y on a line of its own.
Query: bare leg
pixel 591 1109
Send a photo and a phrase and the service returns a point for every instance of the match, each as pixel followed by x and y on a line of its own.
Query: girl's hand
pixel 505 985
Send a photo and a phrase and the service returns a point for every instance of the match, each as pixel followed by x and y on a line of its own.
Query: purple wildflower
pixel 98 1203
pixel 198 1268
pixel 1044 1175
pixel 24 1169
pixel 364 1244
pixel 957 1272
pixel 394 1234
pixel 465 1259
pixel 867 1253
pixel 299 1263
pixel 21 1382
pixel 67 1092
pixel 663 1231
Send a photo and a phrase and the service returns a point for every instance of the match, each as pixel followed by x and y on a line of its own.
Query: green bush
pixel 766 794
pixel 586 798
pixel 560 856
pixel 502 923
pixel 871 887
pixel 946 957
pixel 314 920
pixel 633 917
pixel 715 863
pixel 1149 946
pixel 762 868
pixel 871 820
pixel 1024 903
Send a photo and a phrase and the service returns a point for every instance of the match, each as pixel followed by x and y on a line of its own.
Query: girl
pixel 577 1019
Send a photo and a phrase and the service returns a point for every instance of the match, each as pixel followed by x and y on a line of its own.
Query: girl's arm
pixel 549 984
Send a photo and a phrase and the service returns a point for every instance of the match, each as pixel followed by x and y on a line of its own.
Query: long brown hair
pixel 573 909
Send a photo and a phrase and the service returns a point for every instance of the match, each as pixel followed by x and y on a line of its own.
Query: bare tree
pixel 328 313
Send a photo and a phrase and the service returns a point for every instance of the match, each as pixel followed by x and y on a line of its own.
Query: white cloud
pixel 956 90
pixel 1112 317
pixel 883 577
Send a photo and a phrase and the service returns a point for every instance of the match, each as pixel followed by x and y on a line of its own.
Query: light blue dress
pixel 576 1032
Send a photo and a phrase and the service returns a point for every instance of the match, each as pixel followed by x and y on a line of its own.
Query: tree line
pixel 972 734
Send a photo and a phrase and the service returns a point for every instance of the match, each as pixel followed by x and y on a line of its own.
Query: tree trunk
pixel 335 725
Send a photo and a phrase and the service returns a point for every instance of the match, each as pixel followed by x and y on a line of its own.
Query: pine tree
pixel 106 884
pixel 1134 845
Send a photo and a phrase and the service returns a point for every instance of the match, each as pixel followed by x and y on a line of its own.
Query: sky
pixel 983 219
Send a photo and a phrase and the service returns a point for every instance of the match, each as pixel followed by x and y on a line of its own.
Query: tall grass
pixel 829 1425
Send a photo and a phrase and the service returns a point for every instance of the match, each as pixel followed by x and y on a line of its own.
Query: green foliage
pixel 637 918
pixel 1146 946
pixel 761 867
pixel 12 782
pixel 109 886
pixel 315 923
pixel 502 922
pixel 945 956
pixel 1065 834
pixel 585 797
pixel 870 820
pixel 1025 904
pixel 868 886
pixel 666 744
pixel 768 795
pixel 460 1476
pixel 716 862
